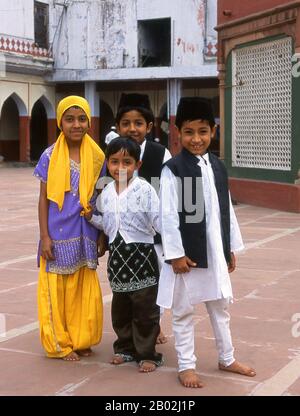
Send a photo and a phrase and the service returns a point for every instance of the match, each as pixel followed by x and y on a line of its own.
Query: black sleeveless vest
pixel 185 165
pixel 153 158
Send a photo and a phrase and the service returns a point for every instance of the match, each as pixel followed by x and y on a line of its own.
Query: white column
pixel 92 95
pixel 174 95
pixel 174 87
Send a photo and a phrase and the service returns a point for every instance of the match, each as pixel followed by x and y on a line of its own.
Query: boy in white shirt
pixel 199 235
pixel 135 119
pixel 128 208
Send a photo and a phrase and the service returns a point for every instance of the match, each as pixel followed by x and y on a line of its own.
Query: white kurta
pixel 202 284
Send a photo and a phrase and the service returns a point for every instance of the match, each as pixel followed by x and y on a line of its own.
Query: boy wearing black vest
pixel 135 119
pixel 200 234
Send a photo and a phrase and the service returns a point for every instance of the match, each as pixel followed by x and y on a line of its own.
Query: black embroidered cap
pixel 194 108
pixel 134 100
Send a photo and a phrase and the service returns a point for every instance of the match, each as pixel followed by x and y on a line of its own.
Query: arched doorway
pixel 38 131
pixel 107 120
pixel 9 131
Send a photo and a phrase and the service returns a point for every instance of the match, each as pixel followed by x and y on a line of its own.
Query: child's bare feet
pixel 239 368
pixel 119 358
pixel 161 339
pixel 71 357
pixel 189 378
pixel 87 352
pixel 147 366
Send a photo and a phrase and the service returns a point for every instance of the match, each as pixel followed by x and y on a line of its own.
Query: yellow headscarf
pixel 91 160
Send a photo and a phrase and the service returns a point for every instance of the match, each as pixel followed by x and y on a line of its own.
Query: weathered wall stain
pixel 187 46
pixel 105 34
pixel 201 15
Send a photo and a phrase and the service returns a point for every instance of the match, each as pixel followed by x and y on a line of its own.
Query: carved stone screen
pixel 262 105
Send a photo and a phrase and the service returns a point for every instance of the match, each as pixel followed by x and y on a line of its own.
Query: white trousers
pixel 160 260
pixel 183 328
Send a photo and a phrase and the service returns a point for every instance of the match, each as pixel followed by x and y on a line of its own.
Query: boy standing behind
pixel 199 239
pixel 135 119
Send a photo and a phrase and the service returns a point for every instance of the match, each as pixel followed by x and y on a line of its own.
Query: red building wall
pixel 243 8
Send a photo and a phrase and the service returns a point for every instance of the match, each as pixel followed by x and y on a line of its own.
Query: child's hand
pixel 182 265
pixel 102 244
pixel 46 248
pixel 232 263
pixel 88 215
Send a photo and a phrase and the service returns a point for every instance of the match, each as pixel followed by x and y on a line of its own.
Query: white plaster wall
pixel 188 33
pixel 96 34
pixel 156 9
pixel 188 25
pixel 16 17
pixel 212 17
pixel 117 35
pixel 69 33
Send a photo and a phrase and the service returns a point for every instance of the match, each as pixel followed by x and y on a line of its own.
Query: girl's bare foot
pixel 239 368
pixel 189 378
pixel 71 357
pixel 161 339
pixel 87 352
pixel 147 366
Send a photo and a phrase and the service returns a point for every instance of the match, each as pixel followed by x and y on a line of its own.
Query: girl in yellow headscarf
pixel 69 294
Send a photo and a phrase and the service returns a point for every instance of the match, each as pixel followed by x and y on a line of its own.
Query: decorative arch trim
pixel 50 111
pixel 23 112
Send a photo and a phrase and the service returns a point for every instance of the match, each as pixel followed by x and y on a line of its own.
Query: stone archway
pixel 9 131
pixel 38 130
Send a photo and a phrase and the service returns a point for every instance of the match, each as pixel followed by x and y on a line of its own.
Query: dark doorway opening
pixel 38 131
pixel 154 42
pixel 9 131
pixel 41 19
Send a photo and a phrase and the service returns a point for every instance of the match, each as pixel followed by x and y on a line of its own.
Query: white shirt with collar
pixel 134 213
pixel 202 284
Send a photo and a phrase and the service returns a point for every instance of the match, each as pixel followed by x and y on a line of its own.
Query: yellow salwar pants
pixel 70 310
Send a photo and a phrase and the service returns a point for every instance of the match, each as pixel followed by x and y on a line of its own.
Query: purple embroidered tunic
pixel 74 239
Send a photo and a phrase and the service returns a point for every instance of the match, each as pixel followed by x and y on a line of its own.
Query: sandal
pixel 124 358
pixel 156 363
